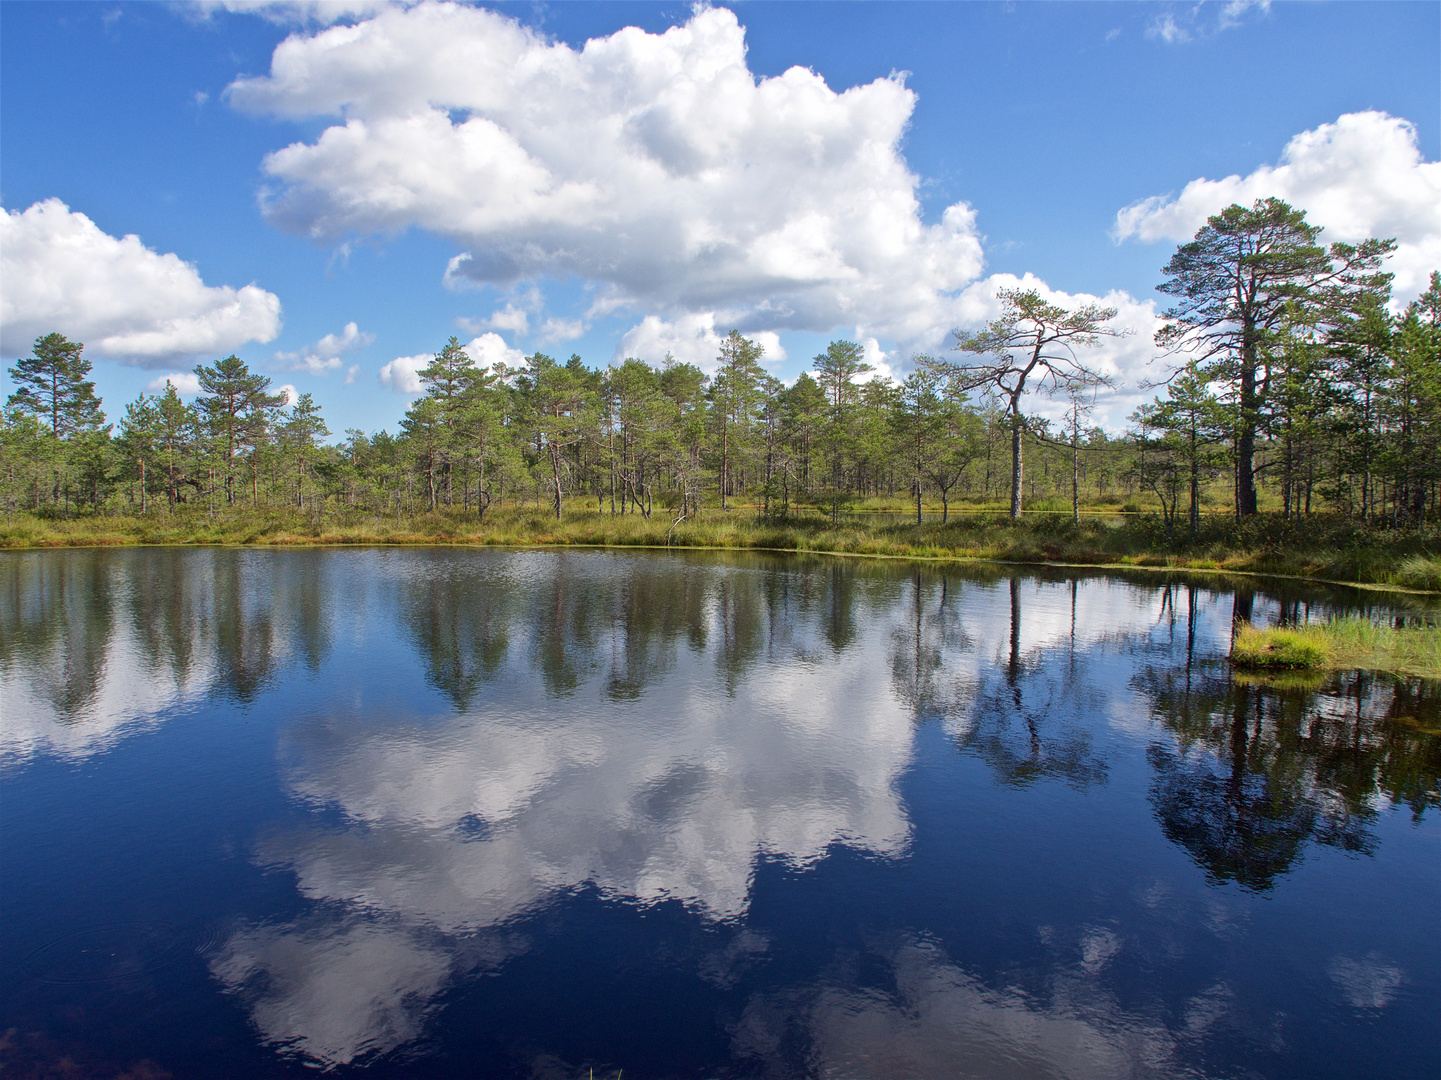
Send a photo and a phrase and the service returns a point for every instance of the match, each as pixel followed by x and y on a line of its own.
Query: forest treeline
pixel 1295 389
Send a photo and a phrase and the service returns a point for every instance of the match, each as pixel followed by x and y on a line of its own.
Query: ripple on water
pixel 112 952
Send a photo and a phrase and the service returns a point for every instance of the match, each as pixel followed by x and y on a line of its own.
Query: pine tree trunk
pixel 1075 479
pixel 1015 461
pixel 1246 437
pixel 725 462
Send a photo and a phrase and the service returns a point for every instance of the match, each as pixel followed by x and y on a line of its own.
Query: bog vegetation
pixel 1350 643
pixel 1299 428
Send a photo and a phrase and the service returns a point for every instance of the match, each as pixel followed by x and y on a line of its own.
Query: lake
pixel 487 813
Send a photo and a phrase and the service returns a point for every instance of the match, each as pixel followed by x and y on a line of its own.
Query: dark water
pixel 461 813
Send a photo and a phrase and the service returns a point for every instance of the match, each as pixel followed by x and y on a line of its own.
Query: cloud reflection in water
pixel 466 823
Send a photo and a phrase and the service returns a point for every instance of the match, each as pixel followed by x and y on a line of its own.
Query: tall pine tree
pixel 51 385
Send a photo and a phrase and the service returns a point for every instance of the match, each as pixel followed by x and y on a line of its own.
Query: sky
pixel 332 190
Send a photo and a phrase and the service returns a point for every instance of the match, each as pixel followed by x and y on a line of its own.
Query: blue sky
pixel 1036 123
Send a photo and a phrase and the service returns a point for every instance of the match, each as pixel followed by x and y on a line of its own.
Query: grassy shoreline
pixel 1329 551
pixel 1338 645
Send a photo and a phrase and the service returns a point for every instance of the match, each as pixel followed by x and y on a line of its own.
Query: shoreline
pixel 292 542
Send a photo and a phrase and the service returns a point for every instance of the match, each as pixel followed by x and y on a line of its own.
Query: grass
pixel 1345 644
pixel 1279 650
pixel 1321 549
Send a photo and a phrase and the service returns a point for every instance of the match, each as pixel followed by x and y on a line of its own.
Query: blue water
pixel 455 813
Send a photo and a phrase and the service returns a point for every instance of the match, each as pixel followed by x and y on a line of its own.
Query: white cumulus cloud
pixel 489 349
pixel 554 331
pixel 403 373
pixel 511 318
pixel 1360 177
pixel 691 339
pixel 186 383
pixel 324 356
pixel 125 301
pixel 656 166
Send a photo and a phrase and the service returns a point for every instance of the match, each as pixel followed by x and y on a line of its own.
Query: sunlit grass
pixel 1348 643
pixel 1280 649
pixel 1324 549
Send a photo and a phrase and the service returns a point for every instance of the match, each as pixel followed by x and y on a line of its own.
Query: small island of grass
pixel 1338 644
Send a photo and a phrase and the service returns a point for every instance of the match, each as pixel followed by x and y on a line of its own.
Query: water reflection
pixel 499 738
pixel 759 738
pixel 936 1019
pixel 1256 772
pixel 95 645
pixel 334 990
pixel 1017 691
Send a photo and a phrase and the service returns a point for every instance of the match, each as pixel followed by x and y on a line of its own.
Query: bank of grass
pixel 1348 644
pixel 1320 548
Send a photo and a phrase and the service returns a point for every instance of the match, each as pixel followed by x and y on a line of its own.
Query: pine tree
pixel 836 370
pixel 175 436
pixel 1250 276
pixel 1033 339
pixel 52 386
pixel 1192 419
pixel 235 403
pixel 735 392
pixel 299 430
pixel 139 438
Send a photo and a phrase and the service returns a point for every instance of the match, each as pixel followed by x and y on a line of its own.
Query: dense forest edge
pixel 1295 429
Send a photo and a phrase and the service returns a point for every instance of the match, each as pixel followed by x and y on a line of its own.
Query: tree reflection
pixel 466 619
pixel 654 610
pixel 267 607
pixel 683 733
pixel 1258 772
pixel 94 641
pixel 460 626
pixel 56 624
pixel 581 616
pixel 648 785
pixel 172 612
pixel 740 627
pixel 1026 715
pixel 1241 814
pixel 922 642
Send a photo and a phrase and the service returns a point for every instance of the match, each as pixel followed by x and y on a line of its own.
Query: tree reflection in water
pixel 654 734
pixel 97 643
pixel 1028 714
pixel 1255 771
pixel 58 617
pixel 765 735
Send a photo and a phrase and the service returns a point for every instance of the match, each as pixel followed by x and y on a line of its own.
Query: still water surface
pixel 457 813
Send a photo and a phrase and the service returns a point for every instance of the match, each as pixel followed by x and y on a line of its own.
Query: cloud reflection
pixel 652 730
pixel 96 646
pixel 647 732
pixel 939 1020
pixel 334 991
pixel 462 825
